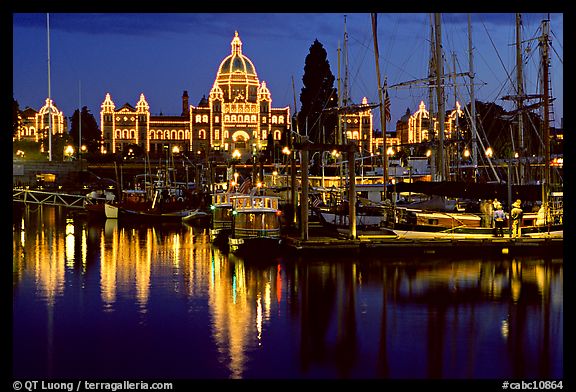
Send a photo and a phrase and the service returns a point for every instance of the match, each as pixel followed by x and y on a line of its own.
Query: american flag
pixel 387 115
pixel 246 186
pixel 316 201
pixel 387 108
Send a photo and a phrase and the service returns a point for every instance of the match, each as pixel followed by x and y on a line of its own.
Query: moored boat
pixel 255 225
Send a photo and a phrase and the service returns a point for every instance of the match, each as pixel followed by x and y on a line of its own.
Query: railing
pixel 28 196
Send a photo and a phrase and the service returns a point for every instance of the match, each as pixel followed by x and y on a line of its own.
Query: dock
pixel 438 244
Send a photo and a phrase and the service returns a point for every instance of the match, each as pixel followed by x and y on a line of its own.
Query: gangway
pixel 31 196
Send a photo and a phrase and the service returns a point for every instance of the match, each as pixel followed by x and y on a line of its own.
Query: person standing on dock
pixel 499 217
pixel 516 216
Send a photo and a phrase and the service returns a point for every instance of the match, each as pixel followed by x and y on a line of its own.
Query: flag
pixel 246 186
pixel 316 201
pixel 387 115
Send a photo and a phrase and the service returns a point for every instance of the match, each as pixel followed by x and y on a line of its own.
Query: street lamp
pixel 489 152
pixel 68 152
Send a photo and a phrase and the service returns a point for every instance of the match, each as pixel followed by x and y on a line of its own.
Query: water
pixel 103 300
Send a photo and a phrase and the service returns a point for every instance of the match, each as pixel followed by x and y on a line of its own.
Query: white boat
pixel 255 225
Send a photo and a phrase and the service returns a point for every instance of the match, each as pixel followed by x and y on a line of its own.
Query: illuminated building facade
pixel 414 128
pixel 35 124
pixel 237 115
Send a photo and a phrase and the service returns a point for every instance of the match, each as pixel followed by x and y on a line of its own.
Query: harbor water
pixel 107 300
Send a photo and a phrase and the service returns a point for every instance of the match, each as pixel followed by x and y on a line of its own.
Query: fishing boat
pixel 255 225
pixel 221 209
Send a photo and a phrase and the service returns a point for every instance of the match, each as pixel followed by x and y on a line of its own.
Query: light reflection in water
pixel 317 318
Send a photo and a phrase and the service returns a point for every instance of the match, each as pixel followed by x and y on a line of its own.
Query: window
pixel 160 134
pixel 274 120
pixel 173 134
pixel 226 135
pixel 198 118
pixel 217 134
pixel 202 134
pixel 253 118
pixel 216 119
pixel 205 118
pixel 349 134
pixel 355 134
pixel 233 118
pixel 247 118
pixel 277 134
pixel 180 135
pixel 227 118
pixel 255 135
pixel 131 134
pixel 263 120
pixel 281 120
pixel 125 133
pixel 166 134
pixel 152 134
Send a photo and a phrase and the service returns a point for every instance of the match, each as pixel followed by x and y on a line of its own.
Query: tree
pixel 317 95
pixel 91 134
pixel 16 119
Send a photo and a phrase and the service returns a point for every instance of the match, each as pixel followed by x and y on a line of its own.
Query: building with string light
pixel 35 125
pixel 237 115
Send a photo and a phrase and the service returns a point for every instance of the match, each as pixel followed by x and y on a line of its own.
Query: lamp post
pixel 68 152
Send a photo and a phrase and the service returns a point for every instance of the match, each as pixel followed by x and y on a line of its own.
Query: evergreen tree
pixel 91 134
pixel 16 120
pixel 318 95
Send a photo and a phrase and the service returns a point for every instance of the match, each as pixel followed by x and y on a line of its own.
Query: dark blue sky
pixel 161 55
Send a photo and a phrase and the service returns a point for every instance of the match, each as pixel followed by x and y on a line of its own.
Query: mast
pixel 440 98
pixel 433 156
pixel 49 93
pixel 80 119
pixel 546 102
pixel 520 92
pixel 382 108
pixel 472 100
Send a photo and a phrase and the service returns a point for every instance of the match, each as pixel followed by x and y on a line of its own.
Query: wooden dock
pixel 455 245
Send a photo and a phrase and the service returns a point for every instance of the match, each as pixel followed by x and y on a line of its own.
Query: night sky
pixel 161 55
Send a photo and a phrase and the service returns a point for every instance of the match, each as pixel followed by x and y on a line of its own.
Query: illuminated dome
pixel 237 69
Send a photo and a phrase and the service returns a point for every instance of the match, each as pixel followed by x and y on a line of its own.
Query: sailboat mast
pixel 520 92
pixel 440 98
pixel 472 100
pixel 382 108
pixel 546 102
pixel 431 72
pixel 49 93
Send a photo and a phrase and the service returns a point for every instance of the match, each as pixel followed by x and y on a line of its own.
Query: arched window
pixel 349 134
pixel 255 135
pixel 173 136
pixel 217 134
pixel 202 134
pixel 216 119
pixel 166 134
pixel 180 135
pixel 264 134
pixel 187 134
pixel 274 120
pixel 205 118
pixel 277 135
pixel 233 118
pixel 264 120
pixel 159 134
pixel 355 135
pixel 118 134
pixel 152 134
pixel 227 118
pixel 281 120
pixel 125 133
pixel 253 118
pixel 131 134
pixel 198 118
pixel 247 118
pixel 226 135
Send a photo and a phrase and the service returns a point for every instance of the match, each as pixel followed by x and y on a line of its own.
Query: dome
pixel 237 68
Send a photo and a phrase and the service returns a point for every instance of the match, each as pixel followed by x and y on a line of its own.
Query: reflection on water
pixel 159 301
